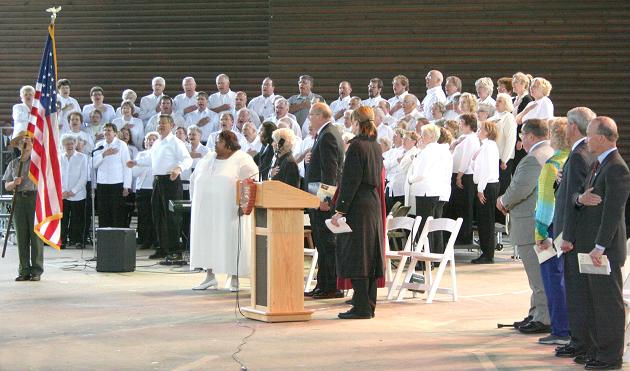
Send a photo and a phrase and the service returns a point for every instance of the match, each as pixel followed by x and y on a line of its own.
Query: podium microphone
pixel 98 149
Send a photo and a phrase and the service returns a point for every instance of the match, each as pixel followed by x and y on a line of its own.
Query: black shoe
pixel 582 359
pixel 535 327
pixel 310 294
pixel 525 321
pixel 567 351
pixel 352 314
pixel 21 278
pixel 328 295
pixel 145 247
pixel 601 365
pixel 349 301
pixel 482 260
pixel 159 254
pixel 35 277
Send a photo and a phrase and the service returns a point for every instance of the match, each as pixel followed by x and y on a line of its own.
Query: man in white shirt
pixel 108 114
pixel 340 105
pixel 241 103
pixel 253 143
pixel 186 102
pixel 282 110
pixel 166 108
pixel 435 94
pixel 226 123
pixel 168 158
pixel 203 118
pixel 67 103
pixel 388 119
pixel 225 99
pixel 410 111
pixel 400 86
pixel 374 93
pixel 301 103
pixel 150 104
pixel 73 180
pixel 113 178
pixel 263 104
pixel 382 130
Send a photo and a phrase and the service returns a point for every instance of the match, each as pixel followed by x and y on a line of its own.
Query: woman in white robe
pixel 214 227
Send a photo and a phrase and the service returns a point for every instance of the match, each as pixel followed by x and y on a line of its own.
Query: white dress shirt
pixel 433 96
pixel 486 165
pixel 113 169
pixel 413 118
pixel 399 185
pixel 384 131
pixel 463 153
pixel 254 145
pixel 149 106
pixel 489 101
pixel 152 124
pixel 340 104
pixel 136 128
pixel 63 116
pixel 143 173
pixel 201 149
pixel 307 144
pixel 165 155
pixel 451 114
pixel 89 141
pixel 429 171
pixel 263 106
pixel 182 101
pixel 373 102
pixel 543 109
pixel 506 138
pixel 108 113
pixel 192 118
pixel 21 117
pixel 217 99
pixel 396 99
pixel 212 139
pixel 445 195
pixel 390 163
pixel 297 130
pixel 74 175
pixel 136 110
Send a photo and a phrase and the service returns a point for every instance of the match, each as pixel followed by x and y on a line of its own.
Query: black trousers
pixel 425 207
pixel 461 206
pixel 505 177
pixel 364 297
pixel 485 221
pixel 146 228
pixel 326 243
pixel 73 221
pixel 167 224
pixel 88 213
pixel 111 205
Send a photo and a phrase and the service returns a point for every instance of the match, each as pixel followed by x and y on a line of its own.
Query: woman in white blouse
pixel 541 107
pixel 486 178
pixel 398 186
pixel 22 111
pixel 428 176
pixel 126 120
pixel 390 163
pixel 506 140
pixel 485 87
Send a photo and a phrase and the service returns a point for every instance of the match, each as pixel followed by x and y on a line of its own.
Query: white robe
pixel 214 216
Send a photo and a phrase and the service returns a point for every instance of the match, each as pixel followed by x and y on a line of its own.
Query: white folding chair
pixel 422 252
pixel 309 251
pixel 625 271
pixel 401 223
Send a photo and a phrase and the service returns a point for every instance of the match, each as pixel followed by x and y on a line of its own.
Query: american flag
pixel 45 170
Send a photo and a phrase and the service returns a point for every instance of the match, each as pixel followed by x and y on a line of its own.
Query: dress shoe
pixel 552 339
pixel 36 277
pixel 206 285
pixel 352 314
pixel 349 301
pixel 582 359
pixel 601 365
pixel 328 295
pixel 525 321
pixel 535 327
pixel 310 294
pixel 159 254
pixel 21 278
pixel 482 260
pixel 567 352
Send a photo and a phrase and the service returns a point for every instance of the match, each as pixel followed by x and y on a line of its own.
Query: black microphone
pixel 98 149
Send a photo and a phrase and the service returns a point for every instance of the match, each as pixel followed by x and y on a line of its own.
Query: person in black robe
pixel 359 253
pixel 284 168
pixel 264 157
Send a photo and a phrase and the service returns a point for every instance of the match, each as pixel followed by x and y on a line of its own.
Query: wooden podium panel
pixel 277 272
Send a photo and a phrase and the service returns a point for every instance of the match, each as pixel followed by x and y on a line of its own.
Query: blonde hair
pixel 470 100
pixel 491 128
pixel 509 106
pixel 286 134
pixel 544 84
pixel 521 77
pixel 485 82
pixel 559 138
pixel 433 130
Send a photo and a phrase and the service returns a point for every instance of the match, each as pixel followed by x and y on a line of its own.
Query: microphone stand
pixel 92 198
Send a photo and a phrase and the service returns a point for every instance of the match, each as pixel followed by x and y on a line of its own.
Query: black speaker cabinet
pixel 115 250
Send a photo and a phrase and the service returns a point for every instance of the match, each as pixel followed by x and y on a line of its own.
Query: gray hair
pixel 68 138
pixel 580 116
pixel 280 101
pixel 431 129
pixel 158 79
pixel 509 106
pixel 385 141
pixel 193 128
pixel 26 88
pixel 483 107
pixel 222 76
pixel 128 91
pixel 485 82
pixel 286 134
pixel 151 133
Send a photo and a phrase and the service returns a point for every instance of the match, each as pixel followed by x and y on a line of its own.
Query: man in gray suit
pixel 600 229
pixel 574 172
pixel 520 201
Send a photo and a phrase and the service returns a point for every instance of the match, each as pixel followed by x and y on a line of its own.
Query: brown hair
pixel 230 140
pixel 470 120
pixel 491 129
pixel 507 81
pixel 365 117
pixel 445 136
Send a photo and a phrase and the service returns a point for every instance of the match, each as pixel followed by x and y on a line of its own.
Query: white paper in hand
pixel 544 255
pixel 586 266
pixel 343 226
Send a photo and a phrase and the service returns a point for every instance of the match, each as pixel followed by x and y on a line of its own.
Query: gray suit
pixel 520 200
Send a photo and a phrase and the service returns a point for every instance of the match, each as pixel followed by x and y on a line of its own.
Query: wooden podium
pixel 277 253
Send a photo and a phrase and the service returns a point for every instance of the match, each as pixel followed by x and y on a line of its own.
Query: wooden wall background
pixel 582 47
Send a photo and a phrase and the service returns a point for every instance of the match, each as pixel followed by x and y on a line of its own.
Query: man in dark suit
pixel 600 229
pixel 324 166
pixel 574 172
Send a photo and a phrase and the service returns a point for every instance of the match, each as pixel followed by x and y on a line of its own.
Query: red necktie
pixel 594 169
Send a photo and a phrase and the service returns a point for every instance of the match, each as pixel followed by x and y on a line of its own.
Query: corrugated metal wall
pixel 582 47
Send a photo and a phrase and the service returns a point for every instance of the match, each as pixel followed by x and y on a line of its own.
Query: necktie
pixel 594 169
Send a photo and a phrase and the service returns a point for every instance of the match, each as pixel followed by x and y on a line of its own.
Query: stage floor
pixel 78 319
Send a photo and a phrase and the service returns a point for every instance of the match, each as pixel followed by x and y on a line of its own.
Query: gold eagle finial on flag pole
pixel 53 15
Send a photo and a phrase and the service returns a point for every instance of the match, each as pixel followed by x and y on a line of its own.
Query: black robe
pixel 288 170
pixel 359 253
